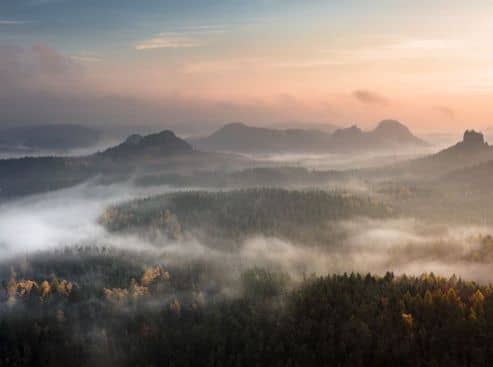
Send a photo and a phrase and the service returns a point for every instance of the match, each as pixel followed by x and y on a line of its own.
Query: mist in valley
pixel 46 223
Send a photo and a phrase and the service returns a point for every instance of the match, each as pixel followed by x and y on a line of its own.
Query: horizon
pixel 213 62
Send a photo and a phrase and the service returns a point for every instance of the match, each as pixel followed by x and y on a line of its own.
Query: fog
pixel 64 217
pixel 22 152
pixel 46 222
pixel 331 161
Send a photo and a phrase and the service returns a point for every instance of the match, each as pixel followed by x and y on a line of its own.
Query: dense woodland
pixel 237 214
pixel 98 307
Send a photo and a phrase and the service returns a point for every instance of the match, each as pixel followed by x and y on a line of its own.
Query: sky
pixel 102 62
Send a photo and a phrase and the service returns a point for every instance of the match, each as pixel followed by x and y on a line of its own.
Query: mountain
pixel 477 175
pixel 388 135
pixel 161 154
pixel 238 137
pixel 304 125
pixel 471 151
pixel 48 137
pixel 157 145
pixel 394 133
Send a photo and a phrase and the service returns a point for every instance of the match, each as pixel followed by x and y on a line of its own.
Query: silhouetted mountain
pixel 161 153
pixel 304 125
pixel 476 176
pixel 471 151
pixel 388 135
pixel 48 137
pixel 391 131
pixel 150 146
pixel 238 137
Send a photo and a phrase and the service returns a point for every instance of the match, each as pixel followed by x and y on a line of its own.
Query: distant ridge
pixel 473 147
pixel 153 145
pixel 239 137
pixel 51 137
pixel 394 131
pixel 160 153
pixel 471 151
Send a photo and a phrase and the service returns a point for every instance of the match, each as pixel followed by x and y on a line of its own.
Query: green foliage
pixel 337 320
pixel 262 284
pixel 291 214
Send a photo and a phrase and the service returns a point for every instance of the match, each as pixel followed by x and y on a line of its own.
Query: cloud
pixel 169 40
pixel 64 217
pixel 184 38
pixel 445 111
pixel 12 22
pixel 39 70
pixel 49 61
pixel 369 97
pixel 85 58
pixel 22 68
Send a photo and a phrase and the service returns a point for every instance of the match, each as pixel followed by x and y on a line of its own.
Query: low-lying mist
pixel 65 218
pixel 349 161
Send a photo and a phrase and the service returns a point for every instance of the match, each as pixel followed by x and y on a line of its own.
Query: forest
pixel 235 215
pixel 98 307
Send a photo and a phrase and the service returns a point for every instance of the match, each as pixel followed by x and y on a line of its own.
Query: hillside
pixel 471 151
pixel 476 179
pixel 150 146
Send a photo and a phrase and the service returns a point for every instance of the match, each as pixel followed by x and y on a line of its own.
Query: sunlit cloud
pixel 186 38
pixel 169 40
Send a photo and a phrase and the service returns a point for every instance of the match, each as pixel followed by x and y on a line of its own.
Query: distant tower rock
pixel 473 138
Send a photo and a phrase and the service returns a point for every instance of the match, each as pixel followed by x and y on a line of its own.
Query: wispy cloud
pixel 12 22
pixel 370 97
pixel 184 38
pixel 86 58
pixel 445 111
pixel 169 40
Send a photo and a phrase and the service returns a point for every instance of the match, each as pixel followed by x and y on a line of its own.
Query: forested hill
pixel 240 213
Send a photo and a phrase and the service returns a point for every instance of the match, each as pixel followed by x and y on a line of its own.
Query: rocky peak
pixel 473 138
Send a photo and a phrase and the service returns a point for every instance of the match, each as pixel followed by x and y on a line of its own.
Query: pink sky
pixel 430 67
